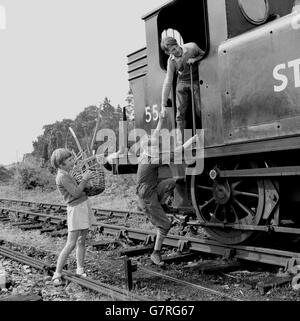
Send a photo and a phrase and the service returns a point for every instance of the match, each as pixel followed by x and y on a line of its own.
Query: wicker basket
pixel 96 185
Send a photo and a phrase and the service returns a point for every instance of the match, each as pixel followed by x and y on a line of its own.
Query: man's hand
pixel 191 61
pixel 112 157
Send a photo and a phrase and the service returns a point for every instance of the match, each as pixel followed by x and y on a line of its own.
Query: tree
pixel 130 106
pixel 130 112
pixel 110 117
pixel 58 135
pixel 84 125
pixel 54 136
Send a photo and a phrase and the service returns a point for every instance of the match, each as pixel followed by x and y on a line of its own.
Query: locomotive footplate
pixel 261 228
pixel 256 172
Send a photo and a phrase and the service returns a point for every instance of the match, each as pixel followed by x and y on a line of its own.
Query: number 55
pixel 149 115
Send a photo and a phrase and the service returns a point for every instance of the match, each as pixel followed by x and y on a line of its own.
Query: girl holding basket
pixel 80 216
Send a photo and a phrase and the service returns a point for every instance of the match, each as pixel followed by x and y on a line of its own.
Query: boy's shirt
pixel 179 64
pixel 67 187
pixel 190 50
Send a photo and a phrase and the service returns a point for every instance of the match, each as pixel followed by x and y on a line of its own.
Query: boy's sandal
pixel 156 259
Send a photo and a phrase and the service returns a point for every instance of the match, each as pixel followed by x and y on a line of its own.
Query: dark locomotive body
pixel 250 100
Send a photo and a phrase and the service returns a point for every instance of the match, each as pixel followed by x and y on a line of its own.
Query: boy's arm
pixel 199 53
pixel 167 85
pixel 186 145
pixel 162 117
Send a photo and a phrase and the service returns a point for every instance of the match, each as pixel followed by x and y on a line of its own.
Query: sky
pixel 58 57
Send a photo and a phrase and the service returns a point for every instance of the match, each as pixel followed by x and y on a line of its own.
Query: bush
pixel 5 174
pixel 30 176
pixel 117 183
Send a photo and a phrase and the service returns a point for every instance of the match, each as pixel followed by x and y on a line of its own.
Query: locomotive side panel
pixel 137 70
pixel 254 106
pixel 209 76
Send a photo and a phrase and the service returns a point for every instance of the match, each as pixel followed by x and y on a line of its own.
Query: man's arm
pixel 167 84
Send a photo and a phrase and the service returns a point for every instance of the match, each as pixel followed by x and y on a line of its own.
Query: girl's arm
pixel 73 189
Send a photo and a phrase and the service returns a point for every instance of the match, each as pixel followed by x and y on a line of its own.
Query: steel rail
pixel 24 260
pixel 189 284
pixel 121 214
pixel 97 211
pixel 37 216
pixel 89 283
pixel 103 211
pixel 243 252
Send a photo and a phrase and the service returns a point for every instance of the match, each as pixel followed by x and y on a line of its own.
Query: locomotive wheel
pixel 235 201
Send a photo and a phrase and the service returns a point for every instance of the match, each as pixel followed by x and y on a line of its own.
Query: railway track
pixel 181 213
pixel 107 290
pixel 60 208
pixel 189 245
pixel 190 285
pixel 282 258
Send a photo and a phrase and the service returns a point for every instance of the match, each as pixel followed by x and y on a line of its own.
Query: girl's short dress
pixel 80 217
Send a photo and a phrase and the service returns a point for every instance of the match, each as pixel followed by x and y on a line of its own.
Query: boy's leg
pixel 68 248
pixel 165 188
pixel 182 101
pixel 156 213
pixel 152 208
pixel 160 236
pixel 80 250
pixel 161 221
pixel 156 255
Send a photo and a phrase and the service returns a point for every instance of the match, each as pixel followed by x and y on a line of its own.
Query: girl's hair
pixel 59 156
pixel 168 42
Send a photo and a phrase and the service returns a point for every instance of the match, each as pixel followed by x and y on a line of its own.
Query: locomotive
pixel 249 81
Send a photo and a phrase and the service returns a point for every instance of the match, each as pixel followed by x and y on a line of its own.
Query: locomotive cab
pixel 185 24
pixel 147 67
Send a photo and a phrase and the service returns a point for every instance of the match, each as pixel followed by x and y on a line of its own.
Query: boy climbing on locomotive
pixel 149 190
